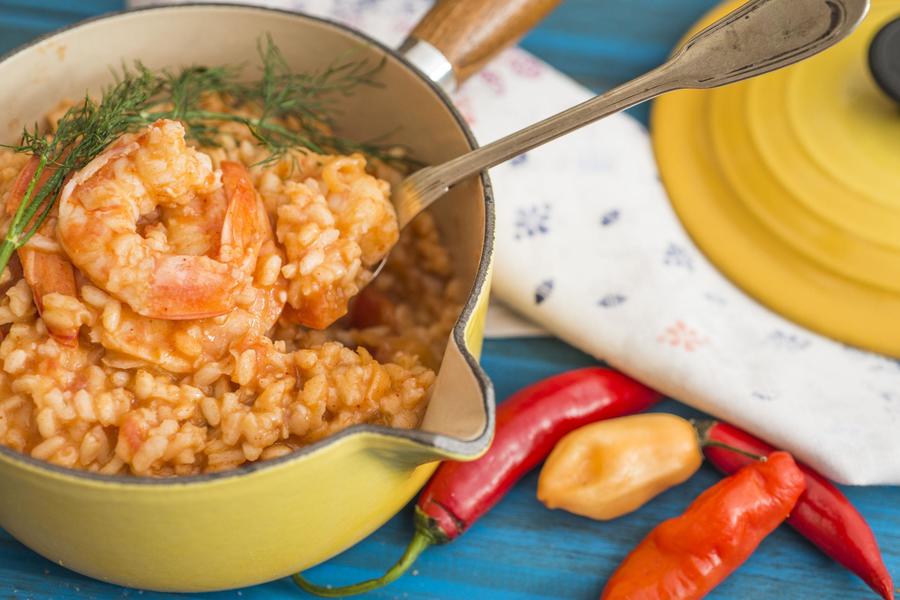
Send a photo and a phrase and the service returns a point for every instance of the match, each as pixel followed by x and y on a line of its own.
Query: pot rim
pixel 429 440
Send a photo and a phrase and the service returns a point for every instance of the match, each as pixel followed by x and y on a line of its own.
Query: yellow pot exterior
pixel 223 534
pixel 275 518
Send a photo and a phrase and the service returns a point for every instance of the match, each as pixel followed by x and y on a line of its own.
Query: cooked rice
pixel 155 398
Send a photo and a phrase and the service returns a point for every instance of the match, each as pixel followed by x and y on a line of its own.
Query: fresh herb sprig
pixel 81 134
pixel 142 96
pixel 278 94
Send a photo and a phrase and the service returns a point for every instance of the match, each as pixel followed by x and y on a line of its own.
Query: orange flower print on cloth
pixel 680 335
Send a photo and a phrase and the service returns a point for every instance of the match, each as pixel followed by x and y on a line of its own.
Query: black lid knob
pixel 884 59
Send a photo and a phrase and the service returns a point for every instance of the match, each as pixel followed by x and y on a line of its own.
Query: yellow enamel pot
pixel 275 518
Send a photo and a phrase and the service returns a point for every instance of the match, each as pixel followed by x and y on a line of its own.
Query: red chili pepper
pixel 689 555
pixel 529 424
pixel 823 514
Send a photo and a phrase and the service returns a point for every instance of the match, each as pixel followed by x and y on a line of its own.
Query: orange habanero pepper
pixel 687 556
pixel 611 468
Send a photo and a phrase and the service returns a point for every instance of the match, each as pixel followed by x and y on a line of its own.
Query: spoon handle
pixel 760 36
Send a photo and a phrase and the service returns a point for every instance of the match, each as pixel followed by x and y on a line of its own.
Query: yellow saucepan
pixel 271 519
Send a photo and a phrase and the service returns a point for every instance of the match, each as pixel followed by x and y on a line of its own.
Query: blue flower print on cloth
pixel 533 220
pixel 543 291
pixel 610 217
pixel 611 300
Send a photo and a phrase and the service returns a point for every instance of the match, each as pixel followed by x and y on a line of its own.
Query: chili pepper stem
pixel 715 444
pixel 703 427
pixel 421 540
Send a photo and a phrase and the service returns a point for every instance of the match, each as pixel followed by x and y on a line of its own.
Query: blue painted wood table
pixel 521 550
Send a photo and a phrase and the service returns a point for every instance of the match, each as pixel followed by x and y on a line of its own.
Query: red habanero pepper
pixel 823 514
pixel 687 556
pixel 529 424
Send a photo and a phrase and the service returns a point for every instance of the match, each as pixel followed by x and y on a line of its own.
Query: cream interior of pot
pixel 33 81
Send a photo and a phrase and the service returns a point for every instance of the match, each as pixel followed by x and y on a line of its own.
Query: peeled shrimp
pixel 115 215
pixel 186 346
pixel 46 269
pixel 183 346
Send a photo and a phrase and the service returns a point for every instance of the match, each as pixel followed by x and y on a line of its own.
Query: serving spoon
pixel 758 37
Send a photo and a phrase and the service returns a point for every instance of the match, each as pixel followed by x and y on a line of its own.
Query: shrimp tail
pixel 195 287
pixel 246 225
pixel 190 287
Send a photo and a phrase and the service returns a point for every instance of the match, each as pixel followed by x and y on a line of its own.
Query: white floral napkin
pixel 589 247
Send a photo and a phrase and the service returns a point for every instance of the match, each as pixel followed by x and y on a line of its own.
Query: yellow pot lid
pixel 790 183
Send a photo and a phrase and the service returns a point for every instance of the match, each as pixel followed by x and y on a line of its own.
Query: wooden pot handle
pixel 470 32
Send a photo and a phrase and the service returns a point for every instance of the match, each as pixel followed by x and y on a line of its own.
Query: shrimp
pixel 186 346
pixel 46 269
pixel 141 183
